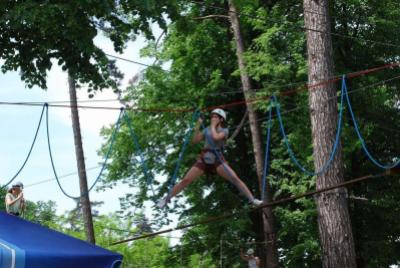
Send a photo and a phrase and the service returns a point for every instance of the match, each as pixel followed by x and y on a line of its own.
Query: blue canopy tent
pixel 24 244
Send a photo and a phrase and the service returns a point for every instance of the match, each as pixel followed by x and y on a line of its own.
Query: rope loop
pixel 361 138
pixel 293 157
pixel 117 126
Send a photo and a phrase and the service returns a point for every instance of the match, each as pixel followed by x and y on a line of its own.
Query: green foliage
pixel 198 260
pixel 43 213
pixel 34 35
pixel 111 228
pixel 3 192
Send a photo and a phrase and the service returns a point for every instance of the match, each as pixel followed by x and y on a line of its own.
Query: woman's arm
pixel 198 135
pixel 22 204
pixel 11 202
pixel 217 136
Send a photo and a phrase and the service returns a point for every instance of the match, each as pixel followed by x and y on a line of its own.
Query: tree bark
pixel 84 199
pixel 333 214
pixel 267 215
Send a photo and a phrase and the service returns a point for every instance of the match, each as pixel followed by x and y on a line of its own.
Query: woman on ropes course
pixel 15 202
pixel 211 160
pixel 250 258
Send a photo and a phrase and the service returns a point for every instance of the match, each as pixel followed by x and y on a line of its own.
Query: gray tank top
pixel 207 138
pixel 253 263
pixel 14 208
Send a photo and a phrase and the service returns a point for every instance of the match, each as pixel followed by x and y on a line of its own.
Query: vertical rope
pixel 113 137
pixel 195 116
pixel 266 158
pixel 149 177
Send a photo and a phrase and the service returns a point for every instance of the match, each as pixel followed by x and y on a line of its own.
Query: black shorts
pixel 209 168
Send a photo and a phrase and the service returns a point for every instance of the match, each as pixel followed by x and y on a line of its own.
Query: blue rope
pixel 360 137
pixel 149 177
pixel 30 150
pixel 266 158
pixel 117 125
pixel 195 116
pixel 113 136
pixel 335 146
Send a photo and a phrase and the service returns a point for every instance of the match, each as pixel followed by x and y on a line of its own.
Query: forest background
pixel 196 67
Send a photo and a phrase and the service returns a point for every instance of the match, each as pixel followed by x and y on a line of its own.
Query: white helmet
pixel 219 112
pixel 250 251
pixel 18 184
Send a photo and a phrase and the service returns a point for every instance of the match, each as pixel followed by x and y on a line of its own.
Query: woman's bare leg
pixel 190 176
pixel 230 175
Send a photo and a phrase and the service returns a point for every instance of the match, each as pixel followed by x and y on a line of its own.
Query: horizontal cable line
pixel 99 107
pixel 354 38
pixel 60 177
pixel 390 172
pixel 38 103
pixel 258 89
pixel 127 60
pixel 128 231
pixel 317 85
pixel 316 13
pixel 226 92
pixel 79 101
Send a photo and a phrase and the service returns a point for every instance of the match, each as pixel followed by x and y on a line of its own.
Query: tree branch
pixel 211 16
pixel 239 127
pixel 358 198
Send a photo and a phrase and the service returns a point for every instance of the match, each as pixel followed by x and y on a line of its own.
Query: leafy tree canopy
pixel 34 34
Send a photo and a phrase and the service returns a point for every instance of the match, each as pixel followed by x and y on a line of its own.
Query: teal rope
pixel 195 116
pixel 113 137
pixel 149 176
pixel 266 158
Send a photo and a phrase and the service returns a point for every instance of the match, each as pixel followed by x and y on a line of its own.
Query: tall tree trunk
pixel 85 201
pixel 333 214
pixel 267 215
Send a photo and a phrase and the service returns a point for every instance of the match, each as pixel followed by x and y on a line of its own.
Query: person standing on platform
pixel 15 202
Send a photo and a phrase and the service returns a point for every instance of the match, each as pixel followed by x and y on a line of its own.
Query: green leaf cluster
pixel 36 34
